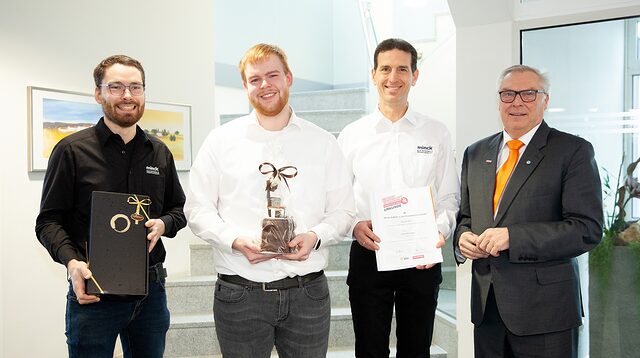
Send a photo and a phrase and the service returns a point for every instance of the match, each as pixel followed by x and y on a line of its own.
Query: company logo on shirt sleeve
pixel 152 170
pixel 425 149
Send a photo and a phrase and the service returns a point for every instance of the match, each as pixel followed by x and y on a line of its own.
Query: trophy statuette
pixel 277 228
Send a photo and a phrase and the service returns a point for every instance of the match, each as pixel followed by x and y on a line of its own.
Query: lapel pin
pixel 528 162
pixel 488 161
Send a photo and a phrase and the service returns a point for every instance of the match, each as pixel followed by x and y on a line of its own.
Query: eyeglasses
pixel 117 88
pixel 508 96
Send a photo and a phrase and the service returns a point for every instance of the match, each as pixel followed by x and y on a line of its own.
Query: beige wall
pixel 56 45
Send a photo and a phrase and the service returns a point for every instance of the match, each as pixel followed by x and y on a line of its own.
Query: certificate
pixel 405 221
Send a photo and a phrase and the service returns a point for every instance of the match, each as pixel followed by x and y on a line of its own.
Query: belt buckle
pixel 264 288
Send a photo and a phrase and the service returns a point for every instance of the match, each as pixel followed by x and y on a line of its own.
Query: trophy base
pixel 276 234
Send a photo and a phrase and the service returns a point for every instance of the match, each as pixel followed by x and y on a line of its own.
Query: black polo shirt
pixel 98 159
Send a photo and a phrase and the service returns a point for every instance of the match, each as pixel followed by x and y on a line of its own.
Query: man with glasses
pixel 115 155
pixel 531 203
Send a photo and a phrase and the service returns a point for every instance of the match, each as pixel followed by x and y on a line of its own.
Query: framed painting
pixel 55 114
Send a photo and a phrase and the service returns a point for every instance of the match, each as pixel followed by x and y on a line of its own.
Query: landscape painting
pixel 55 114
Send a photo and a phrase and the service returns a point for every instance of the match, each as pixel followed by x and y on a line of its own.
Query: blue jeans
pixel 249 320
pixel 142 324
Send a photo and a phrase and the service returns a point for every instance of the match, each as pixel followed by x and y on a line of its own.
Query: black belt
pixel 283 284
pixel 157 272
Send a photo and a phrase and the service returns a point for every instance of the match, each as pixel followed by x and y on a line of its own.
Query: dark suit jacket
pixel 552 207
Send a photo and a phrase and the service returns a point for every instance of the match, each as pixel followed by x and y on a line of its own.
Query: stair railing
pixel 368 27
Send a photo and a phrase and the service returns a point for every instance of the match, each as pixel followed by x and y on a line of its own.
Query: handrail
pixel 368 28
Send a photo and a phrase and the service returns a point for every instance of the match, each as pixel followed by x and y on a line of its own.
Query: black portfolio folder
pixel 118 256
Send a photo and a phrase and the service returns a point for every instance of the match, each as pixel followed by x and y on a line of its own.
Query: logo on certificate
pixel 393 202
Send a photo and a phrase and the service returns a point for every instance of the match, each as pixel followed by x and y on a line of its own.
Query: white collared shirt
pixel 504 150
pixel 503 154
pixel 412 152
pixel 227 199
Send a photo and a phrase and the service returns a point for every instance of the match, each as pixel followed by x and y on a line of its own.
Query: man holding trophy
pixel 270 191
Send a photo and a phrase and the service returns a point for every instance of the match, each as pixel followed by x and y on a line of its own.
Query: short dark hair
pixel 399 44
pixel 98 72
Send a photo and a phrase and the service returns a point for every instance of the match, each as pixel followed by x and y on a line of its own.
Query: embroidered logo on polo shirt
pixel 426 149
pixel 152 170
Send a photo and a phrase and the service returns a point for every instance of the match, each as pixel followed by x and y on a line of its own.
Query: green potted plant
pixel 614 274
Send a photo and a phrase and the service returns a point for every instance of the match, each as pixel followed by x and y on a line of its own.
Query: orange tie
pixel 505 170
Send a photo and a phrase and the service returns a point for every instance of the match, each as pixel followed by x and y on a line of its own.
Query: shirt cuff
pixel 353 226
pixel 323 231
pixel 168 225
pixel 227 237
pixel 461 259
pixel 67 253
pixel 444 229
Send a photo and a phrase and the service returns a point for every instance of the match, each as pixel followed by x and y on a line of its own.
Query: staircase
pixel 330 109
pixel 190 299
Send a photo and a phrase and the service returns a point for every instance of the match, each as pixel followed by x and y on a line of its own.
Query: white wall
pixel 435 92
pixel 57 45
pixel 302 28
pixel 323 39
pixel 350 55
pixel 532 9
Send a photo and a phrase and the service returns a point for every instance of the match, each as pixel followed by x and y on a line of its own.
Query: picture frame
pixel 54 114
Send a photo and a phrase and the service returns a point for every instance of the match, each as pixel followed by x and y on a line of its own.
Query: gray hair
pixel 544 79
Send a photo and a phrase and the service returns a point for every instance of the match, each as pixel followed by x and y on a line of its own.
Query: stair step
pixel 436 352
pixel 193 335
pixel 329 99
pixel 331 120
pixel 195 293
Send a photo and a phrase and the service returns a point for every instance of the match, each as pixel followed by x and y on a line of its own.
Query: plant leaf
pixel 632 167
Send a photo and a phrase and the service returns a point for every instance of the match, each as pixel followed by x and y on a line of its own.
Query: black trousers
pixel 373 294
pixel 492 339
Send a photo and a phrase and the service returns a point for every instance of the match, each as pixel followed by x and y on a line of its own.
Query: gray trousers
pixel 250 321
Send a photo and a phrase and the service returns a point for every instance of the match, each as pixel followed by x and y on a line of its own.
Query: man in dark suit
pixel 531 203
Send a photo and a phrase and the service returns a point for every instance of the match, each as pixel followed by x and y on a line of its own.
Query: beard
pixel 125 120
pixel 271 109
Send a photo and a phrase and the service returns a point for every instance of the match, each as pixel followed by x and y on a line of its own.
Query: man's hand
pixel 250 250
pixel 304 243
pixel 494 240
pixel 78 272
pixel 439 245
pixel 364 235
pixel 468 246
pixel 155 229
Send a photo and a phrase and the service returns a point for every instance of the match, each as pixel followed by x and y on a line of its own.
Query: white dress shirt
pixel 503 153
pixel 414 151
pixel 227 199
pixel 504 150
